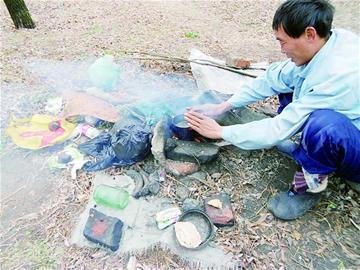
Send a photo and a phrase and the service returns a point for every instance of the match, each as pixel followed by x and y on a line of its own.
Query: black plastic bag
pixel 131 137
pixel 100 148
pixel 128 142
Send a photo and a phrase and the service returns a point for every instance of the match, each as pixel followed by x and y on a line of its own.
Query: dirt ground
pixel 326 238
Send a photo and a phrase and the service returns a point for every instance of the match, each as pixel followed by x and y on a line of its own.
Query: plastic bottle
pixel 104 73
pixel 111 196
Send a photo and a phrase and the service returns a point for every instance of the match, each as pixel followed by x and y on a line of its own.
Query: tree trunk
pixel 19 13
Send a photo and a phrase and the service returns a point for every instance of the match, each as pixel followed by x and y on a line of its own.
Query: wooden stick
pixel 183 60
pixel 353 223
pixel 12 194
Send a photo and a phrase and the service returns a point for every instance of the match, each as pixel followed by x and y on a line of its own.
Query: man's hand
pixel 211 109
pixel 203 125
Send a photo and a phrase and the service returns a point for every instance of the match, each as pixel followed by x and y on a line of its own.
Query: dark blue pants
pixel 329 143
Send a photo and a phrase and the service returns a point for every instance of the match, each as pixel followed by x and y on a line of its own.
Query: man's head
pixel 302 27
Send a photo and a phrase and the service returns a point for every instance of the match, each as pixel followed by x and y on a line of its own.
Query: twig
pixel 310 252
pixel 203 182
pixel 12 194
pixel 261 208
pixel 299 263
pixel 262 192
pixel 324 218
pixel 353 223
pixel 172 262
pixel 183 60
pixel 199 62
pixel 172 178
pixel 170 57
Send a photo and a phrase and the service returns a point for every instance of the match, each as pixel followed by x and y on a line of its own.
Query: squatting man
pixel 319 95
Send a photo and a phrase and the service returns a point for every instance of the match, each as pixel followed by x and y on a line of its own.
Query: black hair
pixel 295 15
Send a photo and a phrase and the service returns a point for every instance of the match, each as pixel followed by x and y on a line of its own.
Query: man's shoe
pixel 289 206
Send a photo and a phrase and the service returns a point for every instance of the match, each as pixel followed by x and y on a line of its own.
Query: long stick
pixel 183 60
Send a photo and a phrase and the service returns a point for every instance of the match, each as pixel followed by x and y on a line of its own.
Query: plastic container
pixel 86 130
pixel 112 197
pixel 203 224
pixel 89 131
pixel 167 217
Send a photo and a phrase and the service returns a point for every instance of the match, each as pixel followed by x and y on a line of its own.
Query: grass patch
pixel 26 253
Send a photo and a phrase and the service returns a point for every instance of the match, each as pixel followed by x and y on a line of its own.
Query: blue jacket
pixel 329 81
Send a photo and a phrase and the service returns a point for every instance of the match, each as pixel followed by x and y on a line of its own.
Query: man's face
pixel 297 49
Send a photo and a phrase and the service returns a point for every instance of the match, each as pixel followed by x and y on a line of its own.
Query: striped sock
pixel 300 184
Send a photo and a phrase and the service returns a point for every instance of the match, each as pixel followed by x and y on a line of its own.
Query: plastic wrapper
pixel 39 131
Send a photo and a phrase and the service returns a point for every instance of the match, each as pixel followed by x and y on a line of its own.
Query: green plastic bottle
pixel 112 197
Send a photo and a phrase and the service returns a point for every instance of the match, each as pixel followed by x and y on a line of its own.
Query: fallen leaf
pixel 296 235
pixel 215 203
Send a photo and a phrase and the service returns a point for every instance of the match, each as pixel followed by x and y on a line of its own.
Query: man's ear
pixel 310 33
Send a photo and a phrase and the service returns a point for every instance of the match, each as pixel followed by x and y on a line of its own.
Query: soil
pixel 325 238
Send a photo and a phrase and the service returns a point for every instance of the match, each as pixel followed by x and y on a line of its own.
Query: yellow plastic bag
pixel 39 131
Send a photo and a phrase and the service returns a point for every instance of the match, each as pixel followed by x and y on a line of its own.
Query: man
pixel 319 94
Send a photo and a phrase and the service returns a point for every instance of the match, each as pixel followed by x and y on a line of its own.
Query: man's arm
pixel 278 78
pixel 334 94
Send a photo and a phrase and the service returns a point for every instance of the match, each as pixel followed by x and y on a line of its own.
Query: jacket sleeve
pixel 277 79
pixel 268 132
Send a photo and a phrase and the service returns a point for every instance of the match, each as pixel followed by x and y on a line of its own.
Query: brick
pixel 220 217
pixel 237 62
pixel 181 168
pixel 103 230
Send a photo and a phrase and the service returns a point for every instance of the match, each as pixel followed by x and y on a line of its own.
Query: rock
pixel 200 176
pixel 187 234
pixel 236 62
pixel 189 204
pixel 216 175
pixel 220 216
pixel 180 168
pixel 125 182
pixel 151 185
pixel 191 151
pixel 241 116
pixel 158 141
pixel 138 180
pixel 151 188
pixel 182 193
pixel 158 176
